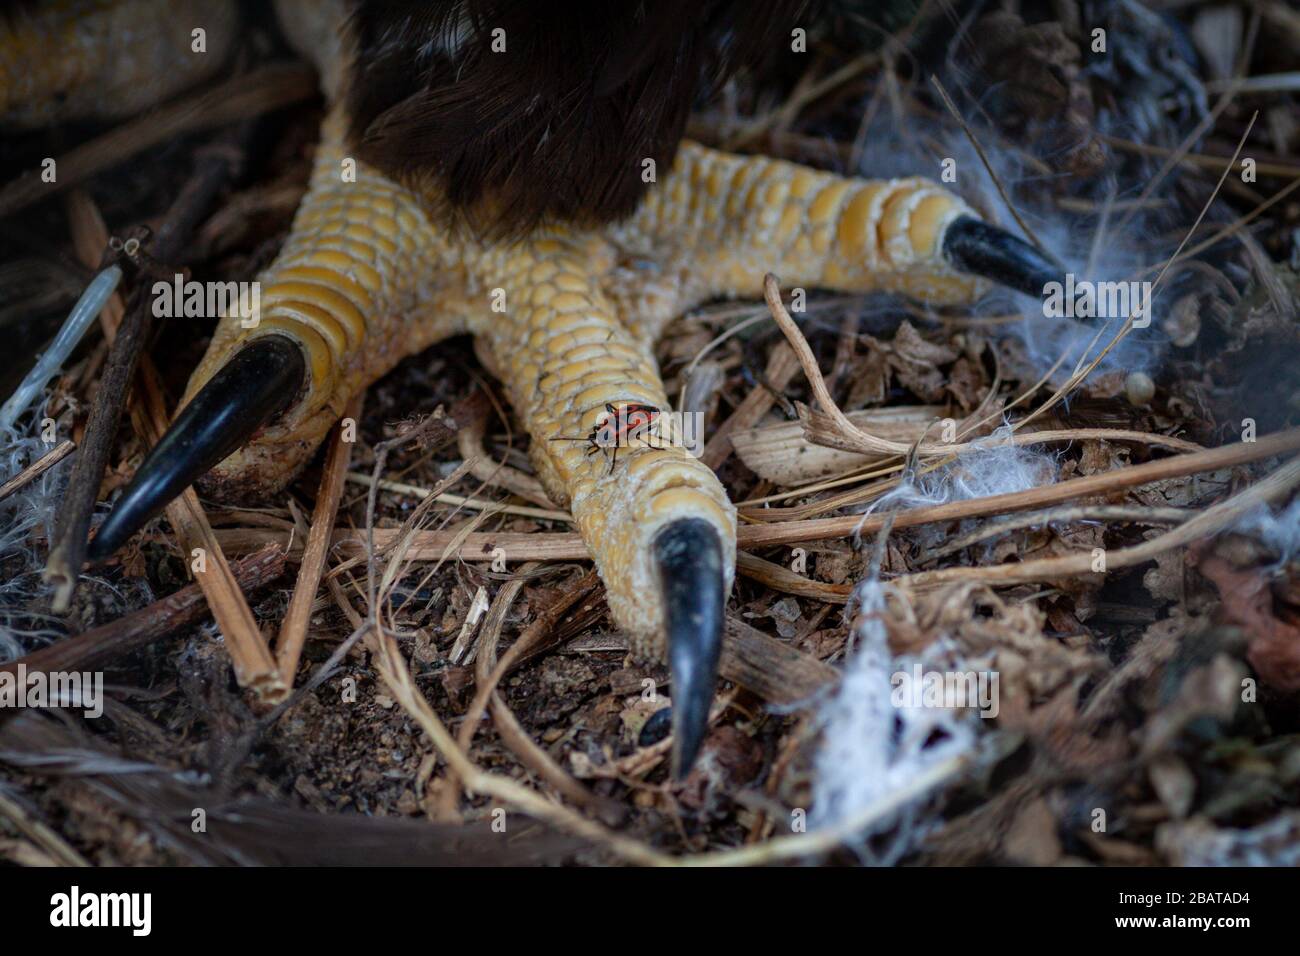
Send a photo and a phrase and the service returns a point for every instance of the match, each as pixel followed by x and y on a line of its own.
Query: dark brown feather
pixel 557 127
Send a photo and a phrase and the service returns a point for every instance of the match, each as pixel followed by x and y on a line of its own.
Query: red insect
pixel 618 427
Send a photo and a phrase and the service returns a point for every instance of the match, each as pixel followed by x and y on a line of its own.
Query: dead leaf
pixel 1032 839
pixel 1248 602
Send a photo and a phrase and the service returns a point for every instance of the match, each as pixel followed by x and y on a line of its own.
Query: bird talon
pixel 688 555
pixel 974 246
pixel 258 383
pixel 656 728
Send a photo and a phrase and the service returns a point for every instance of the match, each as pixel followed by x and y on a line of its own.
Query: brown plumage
pixel 556 126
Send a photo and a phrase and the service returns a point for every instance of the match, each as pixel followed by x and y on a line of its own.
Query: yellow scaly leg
pixel 363 281
pixel 564 354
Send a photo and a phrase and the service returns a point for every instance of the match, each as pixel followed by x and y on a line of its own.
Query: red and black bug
pixel 619 426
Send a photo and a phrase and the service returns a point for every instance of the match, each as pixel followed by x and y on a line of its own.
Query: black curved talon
pixel 974 246
pixel 255 386
pixel 688 555
pixel 656 728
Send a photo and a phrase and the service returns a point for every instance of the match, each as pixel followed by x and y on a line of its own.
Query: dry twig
pixel 101 646
pixel 37 468
pixel 253 664
pixel 293 629
pixel 1209 522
